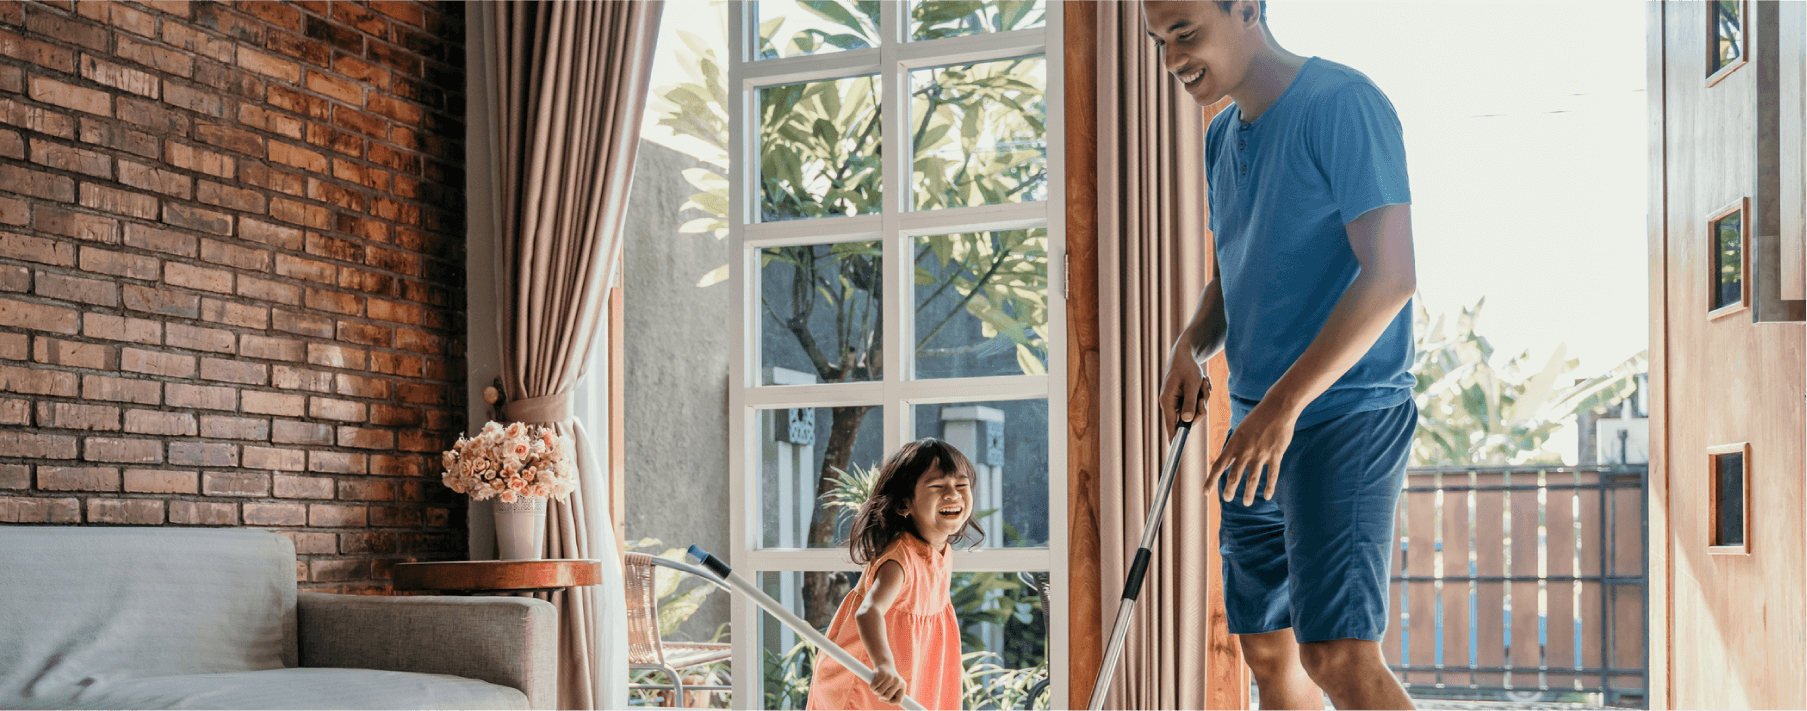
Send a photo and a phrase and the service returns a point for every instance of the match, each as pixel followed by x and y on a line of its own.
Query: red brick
pixel 145 177
pixel 160 423
pixel 294 432
pixel 406 366
pixel 266 403
pixel 292 155
pixel 299 47
pixel 336 462
pixel 275 514
pixel 36 249
pixel 78 478
pixel 31 381
pixel 15 476
pixel 196 218
pixel 128 19
pixel 12 145
pixel 169 365
pixel 232 255
pixel 119 202
pixel 70 158
pixel 367 543
pixel 213 193
pixel 162 59
pixel 300 213
pixel 93 228
pixel 259 117
pixel 361 438
pixel 71 416
pixel 193 277
pixel 288 378
pixel 25 181
pixel 364 175
pixel 234 428
pixel 275 13
pixel 119 77
pixel 121 264
pixel 192 40
pixel 395 517
pixel 332 248
pixel 14 212
pixel 195 338
pixel 304 487
pixel 235 484
pixel 135 512
pixel 288 460
pixel 37 317
pixel 391 465
pixel 232 139
pixel 103 387
pixel 335 301
pixel 241 315
pixel 15 346
pixel 15 412
pixel 420 394
pixel 14 278
pixel 203 454
pixel 347 91
pixel 39 53
pixel 157 116
pixel 336 140
pixel 288 99
pixel 266 290
pixel 303 323
pixel 162 301
pixel 338 570
pixel 203 514
pixel 273 235
pixel 364 334
pixel 69 96
pixel 201 396
pixel 304 269
pixel 194 99
pixel 335 194
pixel 418 441
pixel 160 240
pixel 262 176
pixel 392 260
pixel 135 451
pixel 186 157
pixel 160 481
pixel 267 65
pixel 330 515
pixel 115 328
pixel 92 356
pixel 270 348
pixel 68 288
pixel 36 118
pixel 27 445
pixel 66 29
pixel 315 543
pixel 17 510
pixel 232 371
pixel 392 158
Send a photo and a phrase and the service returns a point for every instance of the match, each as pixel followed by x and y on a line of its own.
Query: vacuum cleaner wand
pixel 1139 567
pixel 790 619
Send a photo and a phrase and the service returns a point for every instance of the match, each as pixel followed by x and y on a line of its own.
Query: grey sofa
pixel 168 618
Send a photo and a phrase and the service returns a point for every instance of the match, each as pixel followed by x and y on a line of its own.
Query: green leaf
pixel 673 612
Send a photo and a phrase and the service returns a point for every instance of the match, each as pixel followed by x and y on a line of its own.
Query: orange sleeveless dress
pixel 924 635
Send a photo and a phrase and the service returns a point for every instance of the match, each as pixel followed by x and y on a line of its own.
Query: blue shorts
pixel 1316 557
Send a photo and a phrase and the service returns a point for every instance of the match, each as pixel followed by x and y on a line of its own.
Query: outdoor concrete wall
pixel 678 344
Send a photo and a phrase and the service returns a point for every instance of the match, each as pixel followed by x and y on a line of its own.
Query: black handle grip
pixel 1132 588
pixel 714 564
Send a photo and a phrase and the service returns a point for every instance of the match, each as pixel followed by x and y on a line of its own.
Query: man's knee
pixel 1329 660
pixel 1270 653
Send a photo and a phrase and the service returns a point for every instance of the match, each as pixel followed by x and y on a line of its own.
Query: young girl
pixel 899 620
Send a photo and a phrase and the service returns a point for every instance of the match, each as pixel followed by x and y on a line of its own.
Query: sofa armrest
pixel 509 641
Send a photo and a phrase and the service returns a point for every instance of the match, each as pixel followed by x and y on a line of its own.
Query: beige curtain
pixel 567 83
pixel 1153 262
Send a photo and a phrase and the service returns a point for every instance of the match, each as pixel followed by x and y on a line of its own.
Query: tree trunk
pixel 819 598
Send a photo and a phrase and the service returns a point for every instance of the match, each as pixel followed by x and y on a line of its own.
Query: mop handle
pixel 1132 588
pixel 791 620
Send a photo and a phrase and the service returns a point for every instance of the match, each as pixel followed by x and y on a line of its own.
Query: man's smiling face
pixel 1205 48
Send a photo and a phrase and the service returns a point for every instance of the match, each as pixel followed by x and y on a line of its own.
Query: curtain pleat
pixel 568 82
pixel 1153 263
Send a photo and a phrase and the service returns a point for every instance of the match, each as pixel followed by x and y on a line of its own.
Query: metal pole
pixel 791 620
pixel 1137 569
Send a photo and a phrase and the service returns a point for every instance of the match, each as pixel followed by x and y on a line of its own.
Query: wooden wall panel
pixel 1085 616
pixel 1658 656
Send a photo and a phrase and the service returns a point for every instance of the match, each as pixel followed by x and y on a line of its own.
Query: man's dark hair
pixel 1224 5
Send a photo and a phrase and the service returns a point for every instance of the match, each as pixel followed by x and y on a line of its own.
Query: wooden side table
pixel 476 577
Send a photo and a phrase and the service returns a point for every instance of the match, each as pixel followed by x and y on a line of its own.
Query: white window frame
pixel 895 227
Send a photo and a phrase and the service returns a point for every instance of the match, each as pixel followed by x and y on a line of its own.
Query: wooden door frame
pixel 1658 653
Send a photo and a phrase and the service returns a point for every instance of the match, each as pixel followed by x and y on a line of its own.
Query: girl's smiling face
pixel 941 505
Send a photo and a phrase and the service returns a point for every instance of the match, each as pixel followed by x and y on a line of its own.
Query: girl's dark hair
pixel 880 520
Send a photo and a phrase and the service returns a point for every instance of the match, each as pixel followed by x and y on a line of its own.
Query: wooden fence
pixel 1521 579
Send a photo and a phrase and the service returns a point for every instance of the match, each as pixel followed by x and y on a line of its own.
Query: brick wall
pixel 231 259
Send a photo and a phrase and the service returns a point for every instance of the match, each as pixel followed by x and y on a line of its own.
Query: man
pixel 1310 209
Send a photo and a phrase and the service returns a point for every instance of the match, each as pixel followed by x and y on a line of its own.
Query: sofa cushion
pixel 89 607
pixel 301 688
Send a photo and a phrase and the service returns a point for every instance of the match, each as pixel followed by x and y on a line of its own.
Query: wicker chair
pixel 645 650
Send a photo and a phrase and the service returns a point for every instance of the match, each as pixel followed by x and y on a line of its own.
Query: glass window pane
pixel 1007 442
pixel 819 314
pixel 819 149
pixel 979 133
pixel 788 28
pixel 932 19
pixel 815 467
pixel 1729 496
pixel 1002 619
pixel 1728 279
pixel 1725 44
pixel 982 304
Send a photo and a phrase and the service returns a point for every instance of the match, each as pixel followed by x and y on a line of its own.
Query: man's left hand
pixel 1260 441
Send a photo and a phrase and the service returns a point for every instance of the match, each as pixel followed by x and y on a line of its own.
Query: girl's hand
pixel 1259 441
pixel 886 683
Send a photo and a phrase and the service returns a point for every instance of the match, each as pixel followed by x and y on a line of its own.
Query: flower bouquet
pixel 521 466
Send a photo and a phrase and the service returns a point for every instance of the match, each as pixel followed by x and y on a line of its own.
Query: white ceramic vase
pixel 521 529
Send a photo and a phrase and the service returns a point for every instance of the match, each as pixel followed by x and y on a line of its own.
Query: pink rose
pixel 520 449
pixel 515 430
pixel 508 497
pixel 541 491
pixel 529 474
pixel 547 437
pixel 517 484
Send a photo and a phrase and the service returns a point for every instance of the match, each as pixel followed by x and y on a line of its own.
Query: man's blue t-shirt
pixel 1282 189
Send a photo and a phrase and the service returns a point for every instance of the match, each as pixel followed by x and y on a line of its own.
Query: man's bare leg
pixel 1354 673
pixel 1273 657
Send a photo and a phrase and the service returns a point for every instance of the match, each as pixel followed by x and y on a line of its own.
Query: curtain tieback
pixel 543 410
